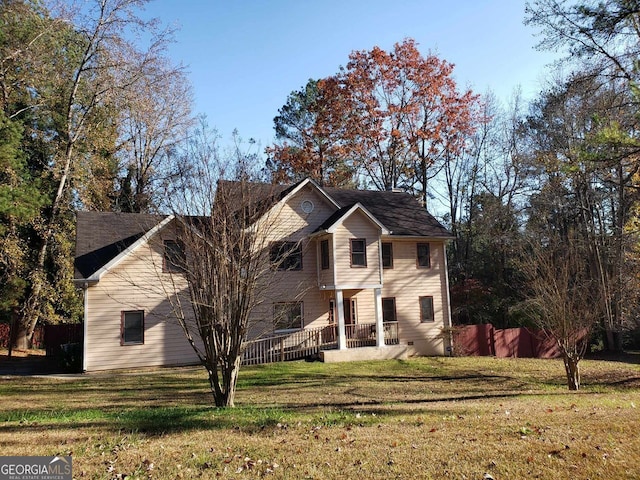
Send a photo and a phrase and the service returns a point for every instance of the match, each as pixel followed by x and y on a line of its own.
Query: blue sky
pixel 244 57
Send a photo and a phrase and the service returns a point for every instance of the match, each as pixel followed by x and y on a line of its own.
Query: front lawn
pixel 421 418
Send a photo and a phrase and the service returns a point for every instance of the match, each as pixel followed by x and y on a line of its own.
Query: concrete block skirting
pixel 365 353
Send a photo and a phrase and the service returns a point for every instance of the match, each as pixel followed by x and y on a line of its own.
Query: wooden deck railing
pixel 309 342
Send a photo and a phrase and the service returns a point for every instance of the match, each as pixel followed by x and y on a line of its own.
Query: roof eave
pixel 423 237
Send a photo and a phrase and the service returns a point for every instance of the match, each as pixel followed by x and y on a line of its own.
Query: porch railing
pixel 309 342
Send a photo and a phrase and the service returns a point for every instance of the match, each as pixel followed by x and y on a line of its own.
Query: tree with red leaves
pixel 405 115
pixel 390 115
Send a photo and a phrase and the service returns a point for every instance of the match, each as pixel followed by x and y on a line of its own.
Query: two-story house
pixel 369 266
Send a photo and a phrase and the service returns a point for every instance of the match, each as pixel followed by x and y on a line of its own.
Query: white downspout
pixel 377 292
pixel 85 321
pixel 342 337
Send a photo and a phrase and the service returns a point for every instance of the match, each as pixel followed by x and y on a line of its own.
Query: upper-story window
pixel 174 257
pixel 324 254
pixel 358 252
pixel 387 255
pixel 424 255
pixel 286 255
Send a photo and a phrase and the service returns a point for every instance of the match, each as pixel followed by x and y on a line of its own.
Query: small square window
pixel 387 255
pixel 426 309
pixel 132 327
pixel 358 252
pixel 175 259
pixel 286 255
pixel 389 309
pixel 287 316
pixel 324 254
pixel 424 255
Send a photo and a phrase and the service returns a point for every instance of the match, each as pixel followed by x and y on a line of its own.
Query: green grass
pixel 420 418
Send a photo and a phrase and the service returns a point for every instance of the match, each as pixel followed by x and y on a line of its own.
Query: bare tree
pixel 106 64
pixel 155 118
pixel 225 229
pixel 562 299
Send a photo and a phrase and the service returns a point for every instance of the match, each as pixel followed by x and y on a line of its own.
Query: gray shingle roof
pixel 102 236
pixel 398 211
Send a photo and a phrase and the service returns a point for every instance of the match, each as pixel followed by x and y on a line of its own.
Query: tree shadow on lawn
pixel 166 403
pixel 158 421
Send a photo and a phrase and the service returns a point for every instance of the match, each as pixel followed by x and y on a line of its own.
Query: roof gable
pixel 104 238
pixel 340 215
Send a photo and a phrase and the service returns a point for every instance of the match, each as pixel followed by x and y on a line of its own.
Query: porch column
pixel 342 337
pixel 377 292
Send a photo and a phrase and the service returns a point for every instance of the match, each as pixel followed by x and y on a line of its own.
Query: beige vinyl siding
pixel 407 284
pixel 288 222
pixel 364 304
pixel 135 284
pixel 358 225
pixel 325 277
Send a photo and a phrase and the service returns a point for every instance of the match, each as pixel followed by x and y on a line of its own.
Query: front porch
pixel 360 343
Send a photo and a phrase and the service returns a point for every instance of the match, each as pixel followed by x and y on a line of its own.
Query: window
pixel 358 252
pixel 426 309
pixel 174 257
pixel 387 255
pixel 132 327
pixel 286 255
pixel 332 310
pixel 287 316
pixel 389 309
pixel 324 254
pixel 424 255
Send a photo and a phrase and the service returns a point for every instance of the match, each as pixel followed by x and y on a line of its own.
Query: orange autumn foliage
pixel 385 118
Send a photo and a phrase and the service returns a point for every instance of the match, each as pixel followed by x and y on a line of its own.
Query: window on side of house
pixel 286 255
pixel 358 252
pixel 174 257
pixel 426 309
pixel 287 316
pixel 324 254
pixel 389 309
pixel 424 255
pixel 387 255
pixel 132 327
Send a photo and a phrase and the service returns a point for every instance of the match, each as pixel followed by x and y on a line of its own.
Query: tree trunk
pixel 609 339
pixel 223 384
pixel 618 342
pixel 573 372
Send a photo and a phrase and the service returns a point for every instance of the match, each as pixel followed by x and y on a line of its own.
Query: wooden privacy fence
pixel 485 340
pixel 309 342
pixel 62 334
